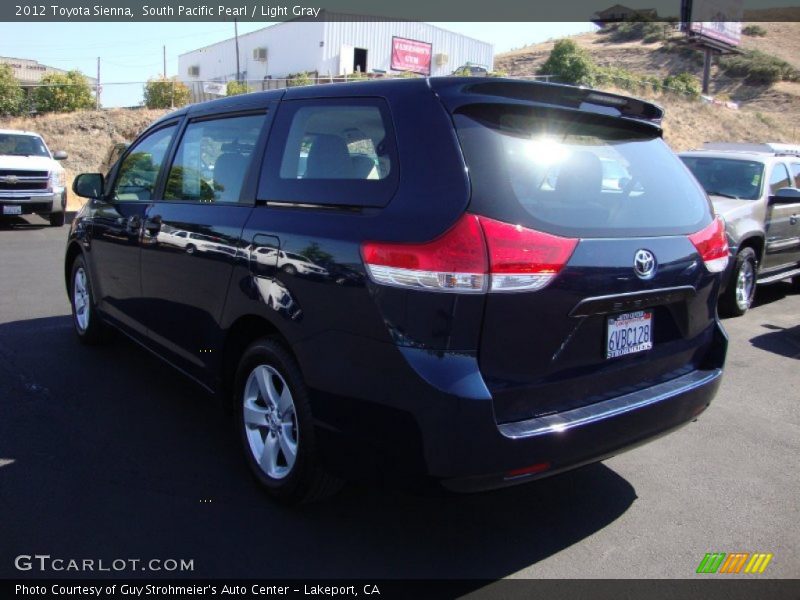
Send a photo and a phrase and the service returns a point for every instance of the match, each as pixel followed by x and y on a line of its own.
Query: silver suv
pixel 756 188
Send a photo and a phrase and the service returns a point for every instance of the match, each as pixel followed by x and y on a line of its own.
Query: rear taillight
pixel 474 256
pixel 453 262
pixel 523 259
pixel 712 245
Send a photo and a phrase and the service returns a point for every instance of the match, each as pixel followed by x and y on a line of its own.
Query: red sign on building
pixel 411 55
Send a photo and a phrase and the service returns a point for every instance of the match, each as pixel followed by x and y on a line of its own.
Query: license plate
pixel 629 333
pixel 12 210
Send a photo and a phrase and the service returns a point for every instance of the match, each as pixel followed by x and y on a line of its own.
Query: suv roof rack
pixel 774 148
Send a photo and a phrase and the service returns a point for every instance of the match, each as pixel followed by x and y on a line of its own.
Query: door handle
pixel 153 226
pixel 793 220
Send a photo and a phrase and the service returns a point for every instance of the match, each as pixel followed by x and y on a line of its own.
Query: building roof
pixel 27 70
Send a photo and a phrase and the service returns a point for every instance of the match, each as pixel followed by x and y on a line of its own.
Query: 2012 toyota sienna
pixel 493 280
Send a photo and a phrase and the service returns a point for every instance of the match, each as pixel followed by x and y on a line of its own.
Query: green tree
pixel 569 63
pixel 166 93
pixel 235 88
pixel 12 98
pixel 63 92
pixel 299 79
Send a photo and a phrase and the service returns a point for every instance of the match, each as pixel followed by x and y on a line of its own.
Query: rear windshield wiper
pixel 724 195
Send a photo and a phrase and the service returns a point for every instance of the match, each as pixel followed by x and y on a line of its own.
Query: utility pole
pixel 165 62
pixel 236 35
pixel 97 87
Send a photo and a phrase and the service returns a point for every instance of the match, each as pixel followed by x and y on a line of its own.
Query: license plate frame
pixel 629 333
pixel 12 209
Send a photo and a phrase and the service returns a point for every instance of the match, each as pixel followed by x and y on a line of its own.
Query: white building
pixel 336 46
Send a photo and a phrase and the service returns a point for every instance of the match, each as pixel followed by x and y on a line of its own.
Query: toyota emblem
pixel 644 264
pixel 12 179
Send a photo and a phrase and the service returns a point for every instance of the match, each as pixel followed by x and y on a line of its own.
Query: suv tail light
pixel 712 245
pixel 475 255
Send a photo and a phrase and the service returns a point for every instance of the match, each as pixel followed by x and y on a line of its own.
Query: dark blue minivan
pixel 474 281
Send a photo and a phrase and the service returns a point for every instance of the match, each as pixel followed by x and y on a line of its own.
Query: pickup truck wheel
pixel 738 297
pixel 88 326
pixel 796 284
pixel 273 416
pixel 57 219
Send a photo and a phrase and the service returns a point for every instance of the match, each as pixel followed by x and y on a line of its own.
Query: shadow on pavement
pixel 767 294
pixel 781 340
pixel 107 453
pixel 26 222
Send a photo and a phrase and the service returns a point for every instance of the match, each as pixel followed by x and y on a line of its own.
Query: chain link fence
pixel 130 94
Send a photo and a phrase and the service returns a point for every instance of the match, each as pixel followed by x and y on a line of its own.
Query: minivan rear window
pixel 576 174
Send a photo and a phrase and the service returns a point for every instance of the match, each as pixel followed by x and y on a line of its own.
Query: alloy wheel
pixel 270 421
pixel 81 299
pixel 745 285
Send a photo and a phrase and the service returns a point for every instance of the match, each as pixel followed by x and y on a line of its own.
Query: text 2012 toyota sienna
pixel 476 281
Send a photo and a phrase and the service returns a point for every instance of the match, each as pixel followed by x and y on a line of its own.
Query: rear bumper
pixel 398 414
pixel 588 434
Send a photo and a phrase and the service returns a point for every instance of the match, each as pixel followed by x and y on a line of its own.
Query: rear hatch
pixel 608 249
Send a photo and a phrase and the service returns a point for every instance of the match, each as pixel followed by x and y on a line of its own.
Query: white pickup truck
pixel 31 180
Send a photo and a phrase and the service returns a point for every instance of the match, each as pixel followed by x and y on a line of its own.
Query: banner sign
pixel 411 55
pixel 727 32
pixel 715 20
pixel 216 89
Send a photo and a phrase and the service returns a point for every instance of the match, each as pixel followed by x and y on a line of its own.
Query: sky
pixel 133 52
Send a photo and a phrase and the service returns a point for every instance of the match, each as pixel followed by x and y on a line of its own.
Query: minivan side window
pixel 331 151
pixel 138 172
pixel 779 178
pixel 213 159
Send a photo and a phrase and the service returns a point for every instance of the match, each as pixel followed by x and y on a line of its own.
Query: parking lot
pixel 107 453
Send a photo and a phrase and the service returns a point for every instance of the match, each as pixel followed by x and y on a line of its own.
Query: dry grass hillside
pixel 766 112
pixel 86 136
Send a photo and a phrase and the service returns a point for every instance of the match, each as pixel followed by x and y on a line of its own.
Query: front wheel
pixel 738 297
pixel 276 427
pixel 90 329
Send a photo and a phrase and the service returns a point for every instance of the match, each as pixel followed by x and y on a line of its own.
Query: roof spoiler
pixel 459 91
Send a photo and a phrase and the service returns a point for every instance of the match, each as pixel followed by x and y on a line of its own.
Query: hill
pixel 86 136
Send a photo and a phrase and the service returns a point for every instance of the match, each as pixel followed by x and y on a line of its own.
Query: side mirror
pixel 88 185
pixel 60 155
pixel 786 196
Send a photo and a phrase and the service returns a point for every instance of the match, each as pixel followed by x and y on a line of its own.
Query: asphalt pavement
pixel 105 453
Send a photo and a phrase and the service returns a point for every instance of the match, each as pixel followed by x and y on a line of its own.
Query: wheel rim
pixel 270 422
pixel 81 299
pixel 745 285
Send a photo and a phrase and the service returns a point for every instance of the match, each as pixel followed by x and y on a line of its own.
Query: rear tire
pixel 796 284
pixel 741 290
pixel 275 425
pixel 57 219
pixel 89 328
